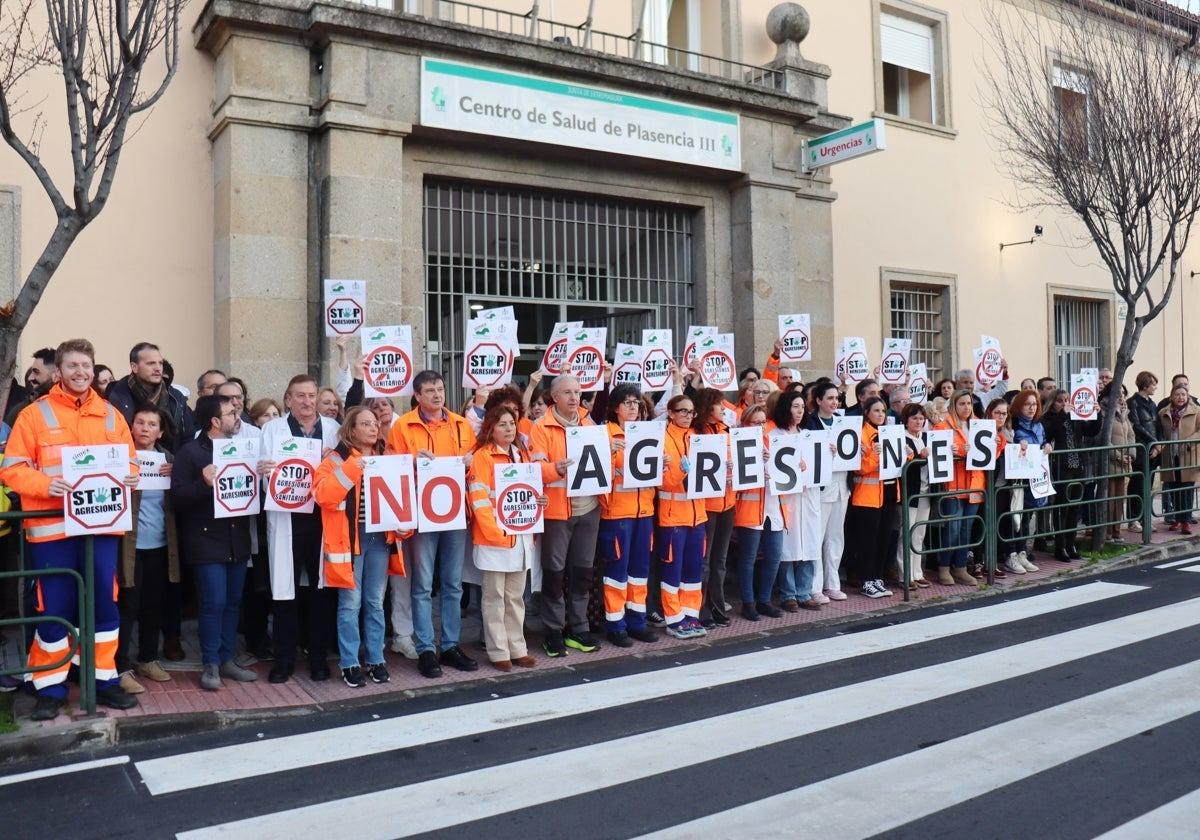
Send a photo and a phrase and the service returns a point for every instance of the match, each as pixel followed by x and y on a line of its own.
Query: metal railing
pixel 81 639
pixel 584 37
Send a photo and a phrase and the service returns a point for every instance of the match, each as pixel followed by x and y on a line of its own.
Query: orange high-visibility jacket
pixel 447 437
pixel 481 494
pixel 751 508
pixel 548 445
pixel 868 490
pixel 674 507
pixel 337 490
pixel 724 503
pixel 770 368
pixel 622 503
pixel 964 479
pixel 33 457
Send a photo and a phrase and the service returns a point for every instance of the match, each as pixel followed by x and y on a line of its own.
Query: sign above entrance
pixel 847 144
pixel 499 103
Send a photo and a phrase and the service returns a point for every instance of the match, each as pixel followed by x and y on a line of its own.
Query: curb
pixel 99 732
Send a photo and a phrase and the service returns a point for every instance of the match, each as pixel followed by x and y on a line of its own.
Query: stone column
pixel 261 187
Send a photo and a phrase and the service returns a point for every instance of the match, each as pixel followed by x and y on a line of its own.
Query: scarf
pixel 1177 414
pixel 157 397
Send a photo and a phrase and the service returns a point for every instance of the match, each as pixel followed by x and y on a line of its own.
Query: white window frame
pixel 937 21
pixel 1066 76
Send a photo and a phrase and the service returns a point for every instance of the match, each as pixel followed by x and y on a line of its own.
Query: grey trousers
pixel 717 532
pixel 568 543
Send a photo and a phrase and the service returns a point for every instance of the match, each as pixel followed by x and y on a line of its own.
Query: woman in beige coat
pixel 1120 461
pixel 1179 438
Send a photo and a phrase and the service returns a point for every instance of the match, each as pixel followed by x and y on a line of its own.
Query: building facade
pixel 636 168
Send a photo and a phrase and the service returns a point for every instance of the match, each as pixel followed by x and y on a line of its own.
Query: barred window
pixel 1080 336
pixel 918 314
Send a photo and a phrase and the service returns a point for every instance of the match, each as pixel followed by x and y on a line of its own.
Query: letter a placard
pixel 591 472
pixel 442 491
pixel 390 500
pixel 98 502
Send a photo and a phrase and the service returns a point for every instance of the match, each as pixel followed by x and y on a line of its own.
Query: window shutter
pixel 906 43
pixel 1071 80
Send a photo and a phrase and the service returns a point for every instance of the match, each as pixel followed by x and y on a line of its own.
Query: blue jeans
pixel 370 579
pixel 447 548
pixel 220 586
pixel 796 580
pixel 756 582
pixel 958 531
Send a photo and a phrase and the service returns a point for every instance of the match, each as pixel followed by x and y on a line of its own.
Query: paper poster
pixel 783 462
pixel 1023 467
pixel 893 364
pixel 981 444
pixel 1085 404
pixel 941 455
pixel 98 501
pixel 585 357
pixel 236 486
pixel 556 350
pixel 627 365
pixel 518 488
pixel 918 383
pixel 388 367
pixel 818 460
pixel 717 367
pixel 589 449
pixel 643 459
pixel 656 363
pixel 345 305
pixel 149 464
pixel 489 353
pixel 388 493
pixel 1042 486
pixel 847 443
pixel 794 336
pixel 290 484
pixel 749 469
pixel 854 353
pixel 709 476
pixel 839 364
pixel 695 335
pixel 500 313
pixel 989 363
pixel 892 450
pixel 441 494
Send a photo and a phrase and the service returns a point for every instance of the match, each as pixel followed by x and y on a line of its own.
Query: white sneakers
pixel 1013 565
pixel 404 646
pixel 1023 559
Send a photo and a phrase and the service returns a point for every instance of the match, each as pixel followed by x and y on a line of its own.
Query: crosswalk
pixel 848 736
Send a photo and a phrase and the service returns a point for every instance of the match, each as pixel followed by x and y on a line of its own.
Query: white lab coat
pixel 279 524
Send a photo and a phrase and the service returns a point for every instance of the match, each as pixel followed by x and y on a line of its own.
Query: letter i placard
pixel 98 502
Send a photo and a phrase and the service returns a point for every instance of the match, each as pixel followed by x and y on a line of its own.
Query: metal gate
pixel 553 257
pixel 1078 336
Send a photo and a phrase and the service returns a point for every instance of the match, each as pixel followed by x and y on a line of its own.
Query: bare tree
pixel 100 48
pixel 1095 108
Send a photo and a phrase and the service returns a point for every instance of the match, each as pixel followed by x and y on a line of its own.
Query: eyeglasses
pixel 683 410
pixel 631 403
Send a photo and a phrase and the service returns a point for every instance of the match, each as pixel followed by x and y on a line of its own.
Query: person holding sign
pixel 1179 421
pixel 916 478
pixel 572 524
pixel 710 420
pixel 71 414
pixel 872 519
pixel 835 496
pixel 357 562
pixel 997 412
pixel 627 525
pixel 797 515
pixel 1024 417
pixel 504 558
pixel 216 548
pixel 294 537
pixel 959 510
pixel 680 528
pixel 431 431
pixel 1068 469
pixel 756 530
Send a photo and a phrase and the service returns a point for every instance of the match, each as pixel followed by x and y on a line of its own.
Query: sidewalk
pixel 167 706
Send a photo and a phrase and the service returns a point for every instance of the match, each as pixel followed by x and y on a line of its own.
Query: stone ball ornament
pixel 788 22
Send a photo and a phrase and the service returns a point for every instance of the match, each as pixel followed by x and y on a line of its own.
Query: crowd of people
pixel 317 584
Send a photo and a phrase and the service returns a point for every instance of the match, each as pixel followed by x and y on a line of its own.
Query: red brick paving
pixel 183 695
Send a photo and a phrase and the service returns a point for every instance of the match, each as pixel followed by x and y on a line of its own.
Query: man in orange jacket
pixel 431 431
pixel 71 414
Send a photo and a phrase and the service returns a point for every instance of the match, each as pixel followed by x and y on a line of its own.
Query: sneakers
pixel 696 627
pixel 1013 564
pixel 115 697
pixel 875 589
pixel 645 635
pixel 129 684
pixel 655 619
pixel 553 645
pixel 584 642
pixel 458 660
pixel 152 671
pixel 210 678
pixel 234 671
pixel 835 594
pixel 620 640
pixel 1023 559
pixel 884 592
pixel 354 677
pixel 378 673
pixel 678 631
pixel 427 664
pixel 820 598
pixel 1135 526
pixel 404 646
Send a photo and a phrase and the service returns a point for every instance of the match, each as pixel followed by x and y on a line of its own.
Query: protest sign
pixel 794 338
pixel 1024 466
pixel 783 462
pixel 656 362
pixel 717 368
pixel 989 363
pixel 388 367
pixel 818 460
pixel 489 353
pixel 98 501
pixel 918 383
pixel 695 335
pixel 441 491
pixel 518 488
pixel 150 462
pixel 627 365
pixel 981 445
pixel 388 493
pixel 1042 486
pixel 290 484
pixel 585 357
pixel 847 443
pixel 893 364
pixel 591 473
pixel 854 353
pixel 643 460
pixel 345 306
pixel 556 350
pixel 499 313
pixel 941 455
pixel 748 468
pixel 709 475
pixel 891 452
pixel 236 487
pixel 1085 404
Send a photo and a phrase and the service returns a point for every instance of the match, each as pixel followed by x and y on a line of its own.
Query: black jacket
pixel 175 406
pixel 202 537
pixel 1144 417
pixel 1066 435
